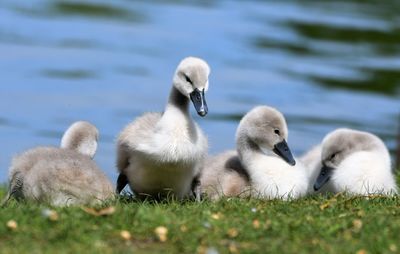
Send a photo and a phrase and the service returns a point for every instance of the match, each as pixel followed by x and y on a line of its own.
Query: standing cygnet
pixel 162 154
pixel 355 162
pixel 265 161
pixel 61 176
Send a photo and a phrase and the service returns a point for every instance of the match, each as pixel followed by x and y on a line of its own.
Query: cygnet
pixel 162 154
pixel 355 162
pixel 263 161
pixel 61 176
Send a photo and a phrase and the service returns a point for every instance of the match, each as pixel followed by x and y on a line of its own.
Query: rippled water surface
pixel 323 64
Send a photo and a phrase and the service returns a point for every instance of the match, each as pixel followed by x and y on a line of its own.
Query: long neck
pixel 176 117
pixel 177 101
pixel 176 114
pixel 251 154
pixel 247 149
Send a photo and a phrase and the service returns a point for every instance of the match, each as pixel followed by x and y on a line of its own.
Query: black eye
pixel 277 132
pixel 188 79
pixel 333 156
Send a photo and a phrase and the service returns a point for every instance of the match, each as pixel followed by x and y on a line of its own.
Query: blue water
pixel 324 65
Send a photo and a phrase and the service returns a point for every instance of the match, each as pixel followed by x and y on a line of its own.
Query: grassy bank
pixel 314 225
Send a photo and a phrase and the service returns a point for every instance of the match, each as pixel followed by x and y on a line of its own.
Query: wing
pixel 15 188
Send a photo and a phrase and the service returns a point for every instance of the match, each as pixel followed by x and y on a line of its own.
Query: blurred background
pixel 324 64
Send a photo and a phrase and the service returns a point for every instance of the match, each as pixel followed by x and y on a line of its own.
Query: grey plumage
pixel 162 154
pixel 224 175
pixel 312 161
pixel 81 137
pixel 355 162
pixel 60 176
pixel 256 167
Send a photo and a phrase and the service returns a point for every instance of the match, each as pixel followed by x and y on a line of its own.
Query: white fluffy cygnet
pixel 161 154
pixel 312 162
pixel 355 162
pixel 263 161
pixel 61 176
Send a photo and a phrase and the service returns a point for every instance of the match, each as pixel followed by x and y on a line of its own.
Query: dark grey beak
pixel 282 149
pixel 199 102
pixel 122 181
pixel 323 177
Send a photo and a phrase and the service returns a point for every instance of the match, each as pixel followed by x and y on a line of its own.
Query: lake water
pixel 323 64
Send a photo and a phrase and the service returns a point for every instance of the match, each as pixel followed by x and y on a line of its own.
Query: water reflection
pixel 323 64
pixel 88 10
pixel 368 50
pixel 68 74
pixel 49 134
pixel 380 81
pixel 3 121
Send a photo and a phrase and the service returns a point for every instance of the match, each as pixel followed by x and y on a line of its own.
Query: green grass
pixel 334 224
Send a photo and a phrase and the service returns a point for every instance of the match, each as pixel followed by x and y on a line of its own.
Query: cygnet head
pixel 82 137
pixel 191 80
pixel 266 129
pixel 338 145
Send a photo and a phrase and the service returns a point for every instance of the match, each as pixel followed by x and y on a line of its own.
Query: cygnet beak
pixel 323 177
pixel 122 181
pixel 283 151
pixel 199 102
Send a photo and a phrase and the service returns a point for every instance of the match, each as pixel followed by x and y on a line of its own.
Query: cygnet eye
pixel 277 132
pixel 333 156
pixel 188 79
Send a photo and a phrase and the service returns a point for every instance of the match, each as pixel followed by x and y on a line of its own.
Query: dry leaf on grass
pixel 357 225
pixel 161 233
pixel 216 216
pixel 328 203
pixel 50 214
pixel 256 224
pixel 125 235
pixel 183 228
pixel 12 225
pixel 233 232
pixel 233 248
pixel 331 201
pixel 206 250
pixel 361 213
pixel 362 251
pixel 103 212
